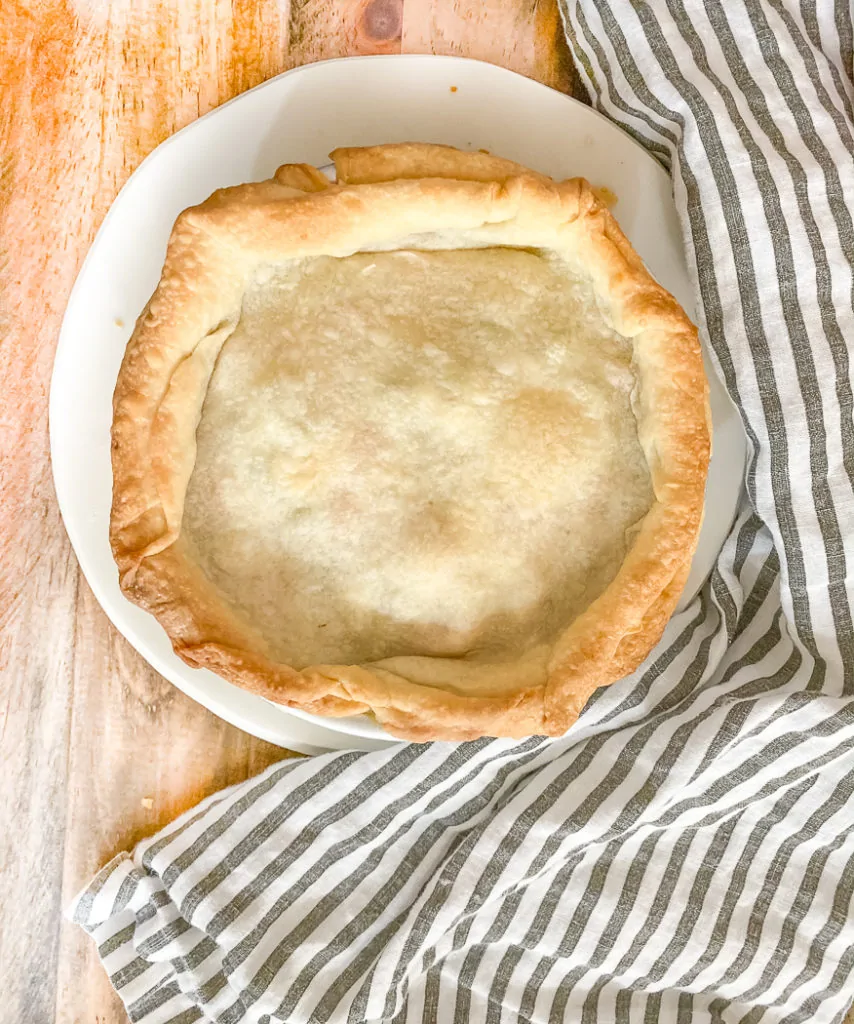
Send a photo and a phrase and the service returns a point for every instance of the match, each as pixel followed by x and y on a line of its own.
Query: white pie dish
pixel 366 101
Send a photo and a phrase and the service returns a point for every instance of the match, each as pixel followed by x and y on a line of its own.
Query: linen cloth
pixel 686 853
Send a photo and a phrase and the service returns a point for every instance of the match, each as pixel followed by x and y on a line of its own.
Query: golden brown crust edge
pixel 618 630
pixel 167 366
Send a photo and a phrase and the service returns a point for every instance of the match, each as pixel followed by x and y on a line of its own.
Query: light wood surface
pixel 97 750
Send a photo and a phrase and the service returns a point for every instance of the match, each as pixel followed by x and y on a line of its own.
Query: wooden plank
pixel 525 37
pixel 38 577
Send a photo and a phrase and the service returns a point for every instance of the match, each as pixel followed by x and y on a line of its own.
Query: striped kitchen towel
pixel 686 853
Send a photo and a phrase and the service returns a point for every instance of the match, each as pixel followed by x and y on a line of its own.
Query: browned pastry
pixel 429 443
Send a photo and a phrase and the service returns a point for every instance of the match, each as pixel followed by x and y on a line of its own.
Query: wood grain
pixel 526 37
pixel 97 750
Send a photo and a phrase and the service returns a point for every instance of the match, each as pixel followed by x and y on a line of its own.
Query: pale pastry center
pixel 417 453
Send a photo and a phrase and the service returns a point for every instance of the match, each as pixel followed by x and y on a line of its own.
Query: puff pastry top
pixel 429 442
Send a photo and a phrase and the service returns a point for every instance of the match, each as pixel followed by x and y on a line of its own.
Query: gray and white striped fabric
pixel 686 853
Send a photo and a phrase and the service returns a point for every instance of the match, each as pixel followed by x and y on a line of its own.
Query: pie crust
pixel 429 443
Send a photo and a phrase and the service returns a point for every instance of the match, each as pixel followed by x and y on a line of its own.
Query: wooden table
pixel 97 749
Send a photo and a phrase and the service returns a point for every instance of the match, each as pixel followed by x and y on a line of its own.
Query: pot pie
pixel 428 443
